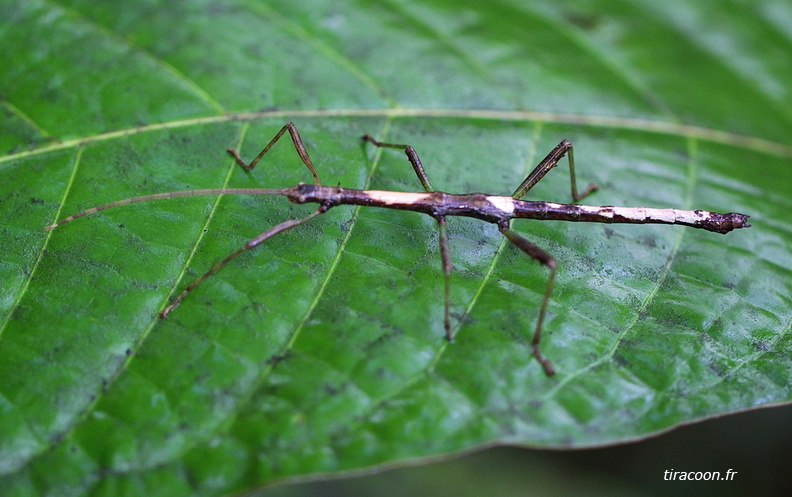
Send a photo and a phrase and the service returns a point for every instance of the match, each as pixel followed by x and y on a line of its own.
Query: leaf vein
pixel 40 255
pixel 323 48
pixel 713 135
pixel 82 415
pixel 609 62
pixel 180 76
pixel 24 117
pixel 463 55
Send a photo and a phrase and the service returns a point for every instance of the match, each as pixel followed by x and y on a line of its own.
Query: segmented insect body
pixel 494 209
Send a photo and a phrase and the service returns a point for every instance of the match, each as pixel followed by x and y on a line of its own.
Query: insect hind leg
pixel 448 268
pixel 548 261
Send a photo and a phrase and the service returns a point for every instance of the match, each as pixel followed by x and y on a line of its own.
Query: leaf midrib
pixel 703 134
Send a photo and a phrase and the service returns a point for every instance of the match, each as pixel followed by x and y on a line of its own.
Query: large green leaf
pixel 322 351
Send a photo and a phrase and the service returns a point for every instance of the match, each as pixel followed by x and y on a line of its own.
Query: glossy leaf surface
pixel 322 350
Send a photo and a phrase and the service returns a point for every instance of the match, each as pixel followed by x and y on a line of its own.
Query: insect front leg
pixel 298 145
pixel 548 163
pixel 279 228
pixel 548 261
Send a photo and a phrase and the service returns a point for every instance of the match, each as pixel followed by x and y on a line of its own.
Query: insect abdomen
pixel 710 221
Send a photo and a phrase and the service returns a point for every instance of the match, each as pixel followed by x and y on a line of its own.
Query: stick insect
pixel 495 209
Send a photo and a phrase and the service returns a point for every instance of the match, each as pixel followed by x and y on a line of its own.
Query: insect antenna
pixel 167 195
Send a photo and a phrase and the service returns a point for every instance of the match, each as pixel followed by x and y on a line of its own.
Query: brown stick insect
pixel 495 209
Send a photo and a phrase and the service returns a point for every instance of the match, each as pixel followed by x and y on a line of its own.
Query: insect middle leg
pixel 548 261
pixel 445 254
pixel 548 163
pixel 298 145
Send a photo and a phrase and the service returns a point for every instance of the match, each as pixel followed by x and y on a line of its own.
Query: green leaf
pixel 322 351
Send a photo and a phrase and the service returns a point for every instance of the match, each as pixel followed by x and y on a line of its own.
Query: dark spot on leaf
pixel 390 334
pixel 648 241
pixel 717 368
pixel 620 361
pixel 535 405
pixel 277 358
pixel 516 336
pixel 608 233
pixel 467 320
pixel 36 201
pixel 762 345
pixel 681 154
pixel 340 437
pixel 585 21
pixel 128 352
pixel 122 226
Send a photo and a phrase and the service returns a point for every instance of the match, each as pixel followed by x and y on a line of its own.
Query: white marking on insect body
pixel 396 198
pixel 662 215
pixel 606 211
pixel 691 216
pixel 504 204
pixel 635 213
